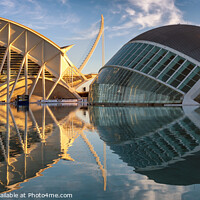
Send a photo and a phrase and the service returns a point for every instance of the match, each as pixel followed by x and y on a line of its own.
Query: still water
pixel 141 153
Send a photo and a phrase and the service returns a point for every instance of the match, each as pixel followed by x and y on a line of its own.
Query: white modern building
pixel 33 65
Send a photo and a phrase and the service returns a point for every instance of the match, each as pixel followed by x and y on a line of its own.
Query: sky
pixel 77 22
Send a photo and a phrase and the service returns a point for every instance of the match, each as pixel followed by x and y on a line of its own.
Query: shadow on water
pixel 162 143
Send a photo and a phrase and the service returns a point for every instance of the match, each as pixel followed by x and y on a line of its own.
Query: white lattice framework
pixel 40 50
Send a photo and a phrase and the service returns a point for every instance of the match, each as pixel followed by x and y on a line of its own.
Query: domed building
pixel 160 66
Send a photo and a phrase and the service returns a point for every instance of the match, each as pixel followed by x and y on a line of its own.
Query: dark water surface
pixel 141 153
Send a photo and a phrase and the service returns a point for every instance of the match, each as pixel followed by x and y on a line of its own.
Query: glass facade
pixel 119 85
pixel 116 84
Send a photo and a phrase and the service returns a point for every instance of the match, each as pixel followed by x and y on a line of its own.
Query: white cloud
pixel 89 33
pixel 156 12
pixel 37 16
pixel 117 9
pixel 119 33
pixel 130 11
pixel 63 1
pixel 7 3
pixel 148 14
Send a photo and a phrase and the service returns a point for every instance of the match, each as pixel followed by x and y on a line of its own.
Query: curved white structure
pixel 30 63
pixel 101 33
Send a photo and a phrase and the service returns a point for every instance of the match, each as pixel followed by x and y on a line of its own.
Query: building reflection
pixel 162 143
pixel 32 141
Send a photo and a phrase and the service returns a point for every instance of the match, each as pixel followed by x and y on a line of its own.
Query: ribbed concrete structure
pixel 32 64
pixel 160 66
pixel 181 37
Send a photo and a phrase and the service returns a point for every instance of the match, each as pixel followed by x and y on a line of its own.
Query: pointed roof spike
pixel 66 48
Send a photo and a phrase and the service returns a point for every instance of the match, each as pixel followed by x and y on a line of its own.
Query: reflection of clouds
pixel 83 177
pixel 133 143
pixel 140 187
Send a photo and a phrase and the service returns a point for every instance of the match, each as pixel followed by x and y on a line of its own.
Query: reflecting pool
pixel 141 153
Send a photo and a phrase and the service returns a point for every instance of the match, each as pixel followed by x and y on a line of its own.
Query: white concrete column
pixel 8 65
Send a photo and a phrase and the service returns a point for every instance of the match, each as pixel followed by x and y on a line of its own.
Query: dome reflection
pixel 160 142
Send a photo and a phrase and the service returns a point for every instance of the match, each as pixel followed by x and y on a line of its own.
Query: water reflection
pixel 32 140
pixel 161 143
pixel 89 150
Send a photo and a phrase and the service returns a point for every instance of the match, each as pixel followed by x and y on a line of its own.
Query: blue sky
pixel 76 22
